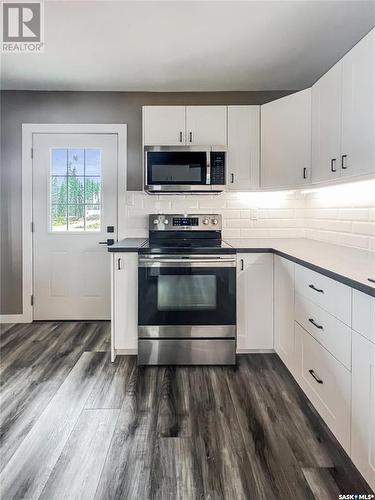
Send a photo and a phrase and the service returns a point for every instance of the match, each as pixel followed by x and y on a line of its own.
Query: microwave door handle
pixel 208 168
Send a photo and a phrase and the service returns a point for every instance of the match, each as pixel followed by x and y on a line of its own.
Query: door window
pixel 75 189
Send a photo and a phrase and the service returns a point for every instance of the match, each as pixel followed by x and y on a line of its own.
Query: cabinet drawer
pixel 326 382
pixel 334 335
pixel 364 314
pixel 329 294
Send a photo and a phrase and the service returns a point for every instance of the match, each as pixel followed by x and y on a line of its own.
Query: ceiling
pixel 188 46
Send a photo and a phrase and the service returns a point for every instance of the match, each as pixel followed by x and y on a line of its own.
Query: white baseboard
pixel 14 318
pixel 255 351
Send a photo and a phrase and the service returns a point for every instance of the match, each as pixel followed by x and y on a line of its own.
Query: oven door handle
pixel 187 262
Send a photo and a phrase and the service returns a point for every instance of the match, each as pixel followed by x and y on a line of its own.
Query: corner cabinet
pixel 286 141
pixel 254 301
pixel 243 147
pixel 363 407
pixel 284 311
pixel 124 309
pixel 343 116
pixel 184 125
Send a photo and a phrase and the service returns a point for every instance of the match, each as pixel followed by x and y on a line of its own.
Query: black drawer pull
pixel 333 165
pixel 343 162
pixel 313 374
pixel 316 289
pixel 315 324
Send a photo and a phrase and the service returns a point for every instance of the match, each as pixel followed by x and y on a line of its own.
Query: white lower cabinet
pixel 124 314
pixel 327 384
pixel 254 301
pixel 284 311
pixel 363 407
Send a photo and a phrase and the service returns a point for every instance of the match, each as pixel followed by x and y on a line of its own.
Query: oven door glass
pixel 176 167
pixel 186 296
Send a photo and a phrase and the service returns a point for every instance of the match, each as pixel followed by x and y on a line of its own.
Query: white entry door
pixel 74 210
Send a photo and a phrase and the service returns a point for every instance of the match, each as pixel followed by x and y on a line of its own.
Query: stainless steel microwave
pixel 184 170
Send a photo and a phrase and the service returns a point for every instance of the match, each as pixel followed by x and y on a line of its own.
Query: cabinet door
pixel 358 109
pixel 243 147
pixel 206 125
pixel 363 407
pixel 164 125
pixel 284 311
pixel 286 141
pixel 254 301
pixel 124 302
pixel 326 125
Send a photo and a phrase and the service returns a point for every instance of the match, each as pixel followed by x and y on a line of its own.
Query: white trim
pixel 28 129
pixel 12 318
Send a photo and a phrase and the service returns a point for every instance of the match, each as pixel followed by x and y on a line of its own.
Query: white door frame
pixel 28 129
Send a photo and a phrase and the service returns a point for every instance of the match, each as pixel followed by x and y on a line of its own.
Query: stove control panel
pixel 178 222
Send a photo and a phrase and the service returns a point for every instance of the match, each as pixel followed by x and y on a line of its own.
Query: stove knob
pixel 205 221
pixel 166 221
pixel 156 221
pixel 215 222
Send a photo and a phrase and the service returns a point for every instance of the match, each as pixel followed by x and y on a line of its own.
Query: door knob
pixel 107 242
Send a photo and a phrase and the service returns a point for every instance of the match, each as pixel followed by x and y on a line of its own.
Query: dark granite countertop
pixel 350 266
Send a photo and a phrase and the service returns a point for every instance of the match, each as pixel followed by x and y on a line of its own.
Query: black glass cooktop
pixel 187 246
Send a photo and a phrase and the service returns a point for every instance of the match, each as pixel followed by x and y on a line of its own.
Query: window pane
pixel 59 190
pixel 76 218
pixel 59 161
pixel 76 191
pixel 76 161
pixel 58 217
pixel 92 190
pixel 92 217
pixel 92 162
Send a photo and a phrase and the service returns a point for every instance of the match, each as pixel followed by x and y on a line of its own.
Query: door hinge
pixel 32 227
pixel 32 153
pixel 32 300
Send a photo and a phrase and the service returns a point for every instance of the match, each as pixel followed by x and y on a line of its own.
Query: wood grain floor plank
pixel 77 471
pixel 27 472
pixel 110 391
pixel 212 433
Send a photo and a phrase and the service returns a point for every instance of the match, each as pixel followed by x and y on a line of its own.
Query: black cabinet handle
pixel 333 165
pixel 119 260
pixel 232 178
pixel 316 289
pixel 343 164
pixel 305 173
pixel 242 265
pixel 315 324
pixel 180 136
pixel 313 374
pixel 190 136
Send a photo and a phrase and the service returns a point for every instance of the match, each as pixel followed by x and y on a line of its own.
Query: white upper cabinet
pixel 343 116
pixel 286 141
pixel 206 125
pixel 243 147
pixel 358 109
pixel 185 125
pixel 326 125
pixel 164 125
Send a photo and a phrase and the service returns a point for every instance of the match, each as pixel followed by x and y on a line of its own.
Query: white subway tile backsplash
pixel 264 215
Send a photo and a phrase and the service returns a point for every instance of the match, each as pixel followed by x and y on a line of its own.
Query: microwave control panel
pixel 217 167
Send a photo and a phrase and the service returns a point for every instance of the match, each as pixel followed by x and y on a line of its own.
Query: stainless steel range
pixel 186 293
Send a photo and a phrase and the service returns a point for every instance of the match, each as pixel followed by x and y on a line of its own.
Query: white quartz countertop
pixel 348 264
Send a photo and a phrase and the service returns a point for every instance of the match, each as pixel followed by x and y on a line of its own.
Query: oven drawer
pixel 189 331
pixel 186 352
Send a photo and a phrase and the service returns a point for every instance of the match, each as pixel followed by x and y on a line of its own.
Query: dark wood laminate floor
pixel 74 425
